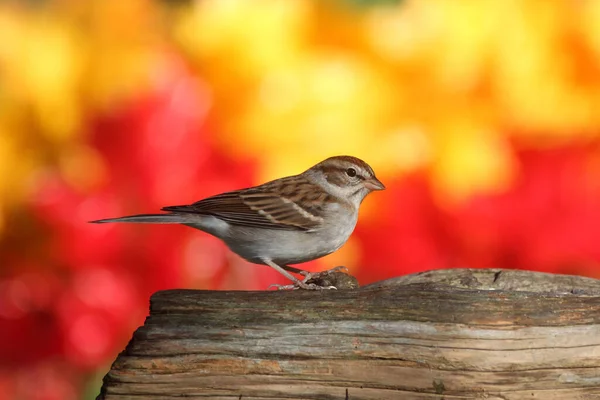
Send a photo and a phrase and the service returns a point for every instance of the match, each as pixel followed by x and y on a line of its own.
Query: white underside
pixel 280 246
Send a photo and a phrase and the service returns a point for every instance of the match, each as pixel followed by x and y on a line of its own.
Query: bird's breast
pixel 289 247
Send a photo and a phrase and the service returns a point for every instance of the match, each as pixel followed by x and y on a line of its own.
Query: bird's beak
pixel 373 184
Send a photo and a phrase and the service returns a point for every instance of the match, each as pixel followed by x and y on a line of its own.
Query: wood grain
pixel 446 334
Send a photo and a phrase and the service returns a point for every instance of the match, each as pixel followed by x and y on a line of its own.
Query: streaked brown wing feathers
pixel 262 207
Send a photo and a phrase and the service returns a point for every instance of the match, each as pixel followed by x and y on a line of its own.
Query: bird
pixel 286 221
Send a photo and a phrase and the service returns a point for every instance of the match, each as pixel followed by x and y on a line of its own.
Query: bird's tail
pixel 148 219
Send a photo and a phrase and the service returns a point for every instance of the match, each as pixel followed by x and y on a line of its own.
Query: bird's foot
pixel 301 285
pixel 335 278
pixel 318 275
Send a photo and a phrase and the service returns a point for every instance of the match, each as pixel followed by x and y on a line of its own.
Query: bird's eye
pixel 351 172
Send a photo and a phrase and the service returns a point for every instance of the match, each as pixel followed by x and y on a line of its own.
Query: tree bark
pixel 445 334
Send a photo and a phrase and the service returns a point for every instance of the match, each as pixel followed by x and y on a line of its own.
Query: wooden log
pixel 445 334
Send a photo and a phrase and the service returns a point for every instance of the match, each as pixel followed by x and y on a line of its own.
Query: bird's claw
pixel 301 285
pixel 316 275
pixel 310 276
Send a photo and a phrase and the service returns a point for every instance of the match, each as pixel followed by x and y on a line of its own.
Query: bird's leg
pixel 298 284
pixel 313 275
pixel 294 270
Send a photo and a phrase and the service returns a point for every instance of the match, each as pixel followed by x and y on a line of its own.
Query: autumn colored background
pixel 482 118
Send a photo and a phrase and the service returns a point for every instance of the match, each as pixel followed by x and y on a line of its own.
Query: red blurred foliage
pixel 406 235
pixel 82 307
pixel 548 220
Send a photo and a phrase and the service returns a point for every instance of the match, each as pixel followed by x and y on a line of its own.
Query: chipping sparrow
pixel 286 221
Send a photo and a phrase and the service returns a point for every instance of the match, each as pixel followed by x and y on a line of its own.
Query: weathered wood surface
pixel 448 334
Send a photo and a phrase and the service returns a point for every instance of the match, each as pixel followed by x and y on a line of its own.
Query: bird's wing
pixel 261 207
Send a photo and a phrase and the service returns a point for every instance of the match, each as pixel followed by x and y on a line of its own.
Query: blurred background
pixel 482 118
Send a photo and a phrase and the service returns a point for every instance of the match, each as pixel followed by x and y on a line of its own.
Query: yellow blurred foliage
pixel 458 73
pixel 124 44
pixel 46 67
pixel 470 158
pixel 245 38
pixel 38 99
pixel 436 85
pixel 59 65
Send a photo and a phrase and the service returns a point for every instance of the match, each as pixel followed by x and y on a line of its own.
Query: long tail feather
pixel 148 219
